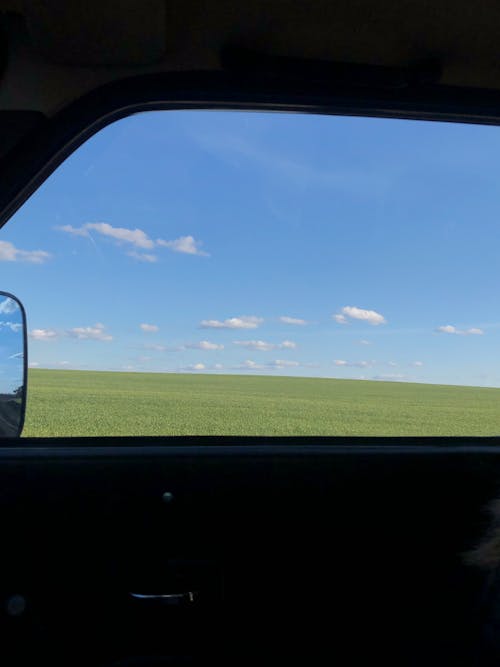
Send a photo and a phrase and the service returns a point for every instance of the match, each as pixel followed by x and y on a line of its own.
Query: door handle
pixel 167 599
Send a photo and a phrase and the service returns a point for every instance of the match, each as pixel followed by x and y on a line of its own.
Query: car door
pixel 262 552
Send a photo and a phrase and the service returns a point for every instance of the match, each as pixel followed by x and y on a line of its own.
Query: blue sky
pixel 266 243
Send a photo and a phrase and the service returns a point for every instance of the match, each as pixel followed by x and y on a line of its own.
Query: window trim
pixel 29 163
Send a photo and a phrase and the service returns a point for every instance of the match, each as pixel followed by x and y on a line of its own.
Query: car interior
pixel 139 551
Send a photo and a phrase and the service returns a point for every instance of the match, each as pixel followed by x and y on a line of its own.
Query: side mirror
pixel 13 366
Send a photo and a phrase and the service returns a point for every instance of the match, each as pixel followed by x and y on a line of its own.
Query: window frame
pixel 30 162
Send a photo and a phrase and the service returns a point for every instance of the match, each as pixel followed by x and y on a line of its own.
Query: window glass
pixel 240 273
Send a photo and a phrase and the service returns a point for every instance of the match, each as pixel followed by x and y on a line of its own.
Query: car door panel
pixel 320 552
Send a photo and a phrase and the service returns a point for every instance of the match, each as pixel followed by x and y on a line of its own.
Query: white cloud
pixel 143 257
pixel 292 320
pixel 97 332
pixel 9 253
pixel 43 334
pixel 284 363
pixel 8 306
pixel 263 346
pixel 391 377
pixel 33 364
pixel 156 348
pixel 69 229
pixel 204 345
pixel 352 312
pixel 353 364
pixel 250 365
pixel 449 329
pixel 243 322
pixel 201 367
pixel 17 355
pixel 364 342
pixel 417 364
pixel 184 244
pixel 149 328
pixel 15 327
pixel 136 237
pixel 277 364
pixel 259 345
pixel 63 363
pixel 392 363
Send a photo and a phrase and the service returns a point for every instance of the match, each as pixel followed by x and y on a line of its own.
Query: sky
pixel 266 243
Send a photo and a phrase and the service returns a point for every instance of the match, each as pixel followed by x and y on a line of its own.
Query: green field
pixel 82 403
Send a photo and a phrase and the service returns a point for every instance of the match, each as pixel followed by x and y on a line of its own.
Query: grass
pixel 84 403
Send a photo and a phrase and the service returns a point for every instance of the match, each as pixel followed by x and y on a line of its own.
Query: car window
pixel 237 273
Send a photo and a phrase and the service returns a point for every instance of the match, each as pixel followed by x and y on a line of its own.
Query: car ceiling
pixel 57 51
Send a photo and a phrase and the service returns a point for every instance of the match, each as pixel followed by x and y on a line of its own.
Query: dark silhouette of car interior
pixel 243 551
